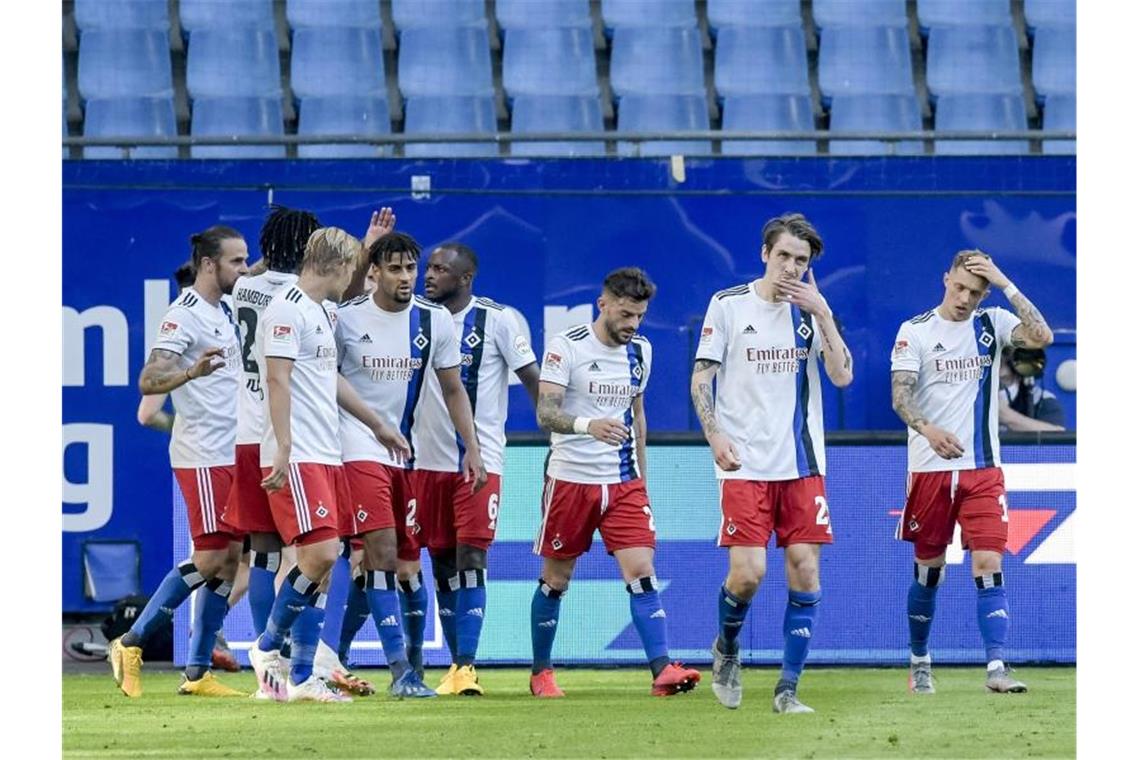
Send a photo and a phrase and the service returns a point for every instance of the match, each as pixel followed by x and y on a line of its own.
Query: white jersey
pixel 251 296
pixel 768 400
pixel 385 355
pixel 601 382
pixel 958 386
pixel 203 434
pixel 296 327
pixel 491 346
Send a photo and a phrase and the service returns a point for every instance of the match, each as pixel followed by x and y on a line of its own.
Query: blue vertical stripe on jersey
pixel 419 323
pixel 627 463
pixel 983 442
pixel 806 463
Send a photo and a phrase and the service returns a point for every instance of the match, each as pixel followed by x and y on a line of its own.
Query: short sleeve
pixel 175 332
pixel 906 356
pixel 282 336
pixel 714 333
pixel 1004 322
pixel 646 365
pixel 512 341
pixel 557 361
pixel 446 346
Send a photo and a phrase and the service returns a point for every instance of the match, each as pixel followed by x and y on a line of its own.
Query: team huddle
pixel 370 425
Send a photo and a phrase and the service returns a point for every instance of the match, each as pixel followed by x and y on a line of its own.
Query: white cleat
pixel 786 702
pixel 326 662
pixel 1000 681
pixel 726 683
pixel 313 689
pixel 921 678
pixel 271 676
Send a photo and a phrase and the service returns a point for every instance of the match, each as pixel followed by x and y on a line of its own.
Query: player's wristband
pixel 581 425
pixel 1010 290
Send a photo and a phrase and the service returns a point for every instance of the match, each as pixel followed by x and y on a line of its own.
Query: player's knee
pixel 804 576
pixel 406 570
pixel 986 563
pixel 557 575
pixel 265 543
pixel 380 550
pixel 471 557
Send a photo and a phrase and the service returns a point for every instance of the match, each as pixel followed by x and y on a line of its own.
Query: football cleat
pixel 126 667
pixel 542 685
pixel 921 678
pixel 410 686
pixel 271 676
pixel 786 702
pixel 466 682
pixel 313 689
pixel 1000 681
pixel 349 682
pixel 222 658
pixel 207 686
pixel 447 683
pixel 726 683
pixel 674 679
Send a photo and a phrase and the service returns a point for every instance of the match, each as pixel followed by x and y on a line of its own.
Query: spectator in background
pixel 1025 406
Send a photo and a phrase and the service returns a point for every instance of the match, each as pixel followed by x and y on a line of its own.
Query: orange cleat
pixel 542 685
pixel 674 679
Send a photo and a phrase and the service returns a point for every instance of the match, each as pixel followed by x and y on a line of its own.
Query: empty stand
pixel 829 13
pixel 649 13
pixel 527 14
pixel 237 117
pixel 653 113
pixel 780 69
pixel 449 114
pixel 225 14
pixel 130 117
pixel 414 14
pixel 1060 115
pixel 1055 61
pixel 549 61
pixel 121 14
pixel 865 60
pixel 963 13
pixel 646 61
pixel 303 14
pixel 875 113
pixel 973 59
pixel 980 112
pixel 1050 12
pixel 768 113
pixel 557 113
pixel 115 63
pixel 337 61
pixel 439 61
pixel 723 13
pixel 344 116
pixel 231 62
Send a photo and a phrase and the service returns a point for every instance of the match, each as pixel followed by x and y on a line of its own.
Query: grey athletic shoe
pixel 999 680
pixel 921 679
pixel 726 677
pixel 786 702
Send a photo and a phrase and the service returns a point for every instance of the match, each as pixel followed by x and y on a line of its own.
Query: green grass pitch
pixel 607 713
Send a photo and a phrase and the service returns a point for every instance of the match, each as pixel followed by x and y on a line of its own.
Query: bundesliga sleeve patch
pixel 706 334
pixel 900 346
pixel 282 333
pixel 167 329
pixel 553 360
pixel 522 345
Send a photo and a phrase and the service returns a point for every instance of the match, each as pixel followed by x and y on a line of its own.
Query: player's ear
pixel 764 253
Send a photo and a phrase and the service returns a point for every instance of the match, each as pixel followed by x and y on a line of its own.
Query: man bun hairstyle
pixel 328 249
pixel 284 236
pixel 797 226
pixel 207 244
pixel 185 274
pixel 393 244
pixel 630 282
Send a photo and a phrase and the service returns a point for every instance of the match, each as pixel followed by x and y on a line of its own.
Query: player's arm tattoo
pixel 836 358
pixel 549 411
pixel 1033 332
pixel 903 385
pixel 700 389
pixel 161 374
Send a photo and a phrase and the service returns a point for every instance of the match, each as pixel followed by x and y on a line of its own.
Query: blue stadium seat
pixel 963 13
pixel 415 14
pixel 352 115
pixel 237 117
pixel 355 13
pixel 122 14
pixel 1055 61
pixel 337 61
pixel 865 60
pixel 550 14
pixel 1050 12
pixel 762 60
pixel 829 13
pixel 662 113
pixel 232 62
pixel 649 13
pixel 557 113
pixel 666 60
pixel 116 63
pixel 980 112
pixel 875 113
pixel 549 62
pixel 1060 114
pixel 753 13
pixel 973 59
pixel 768 113
pixel 450 114
pixel 445 61
pixel 130 117
pixel 225 14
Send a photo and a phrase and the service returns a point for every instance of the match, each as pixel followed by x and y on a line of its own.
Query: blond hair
pixel 961 256
pixel 328 249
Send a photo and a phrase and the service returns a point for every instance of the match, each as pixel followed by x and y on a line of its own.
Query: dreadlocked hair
pixel 283 237
pixel 393 244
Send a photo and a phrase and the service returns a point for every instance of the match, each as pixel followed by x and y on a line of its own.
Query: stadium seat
pixel 973 59
pixel 445 61
pixel 225 14
pixel 549 62
pixel 871 60
pixel 557 113
pixel 662 113
pixel 1050 12
pixel 963 13
pixel 353 115
pixel 768 113
pixel 415 14
pixel 450 114
pixel 875 113
pixel 337 61
pixel 232 62
pixel 646 61
pixel 303 14
pixel 980 112
pixel 527 14
pixel 829 13
pixel 1060 114
pixel 117 63
pixel 130 117
pixel 753 13
pixel 1055 61
pixel 649 13
pixel 781 69
pixel 122 14
pixel 237 117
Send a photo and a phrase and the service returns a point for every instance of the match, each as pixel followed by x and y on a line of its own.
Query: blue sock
pixel 472 602
pixel 306 633
pixel 543 624
pixel 263 568
pixel 384 601
pixel 731 613
pixel 446 600
pixel 159 611
pixel 920 604
pixel 414 604
pixel 649 619
pixel 339 582
pixel 993 615
pixel 356 614
pixel 799 619
pixel 209 615
pixel 297 593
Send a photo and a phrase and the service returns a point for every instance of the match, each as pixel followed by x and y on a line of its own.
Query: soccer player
pixel 762 341
pixel 458 525
pixel 390 343
pixel 150 412
pixel 944 386
pixel 195 358
pixel 300 455
pixel 591 399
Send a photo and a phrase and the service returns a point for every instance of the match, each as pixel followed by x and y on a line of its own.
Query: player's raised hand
pixel 382 222
pixel 209 362
pixel 606 430
pixel 805 295
pixel 944 443
pixel 394 442
pixel 724 453
pixel 987 270
pixel 473 470
pixel 275 480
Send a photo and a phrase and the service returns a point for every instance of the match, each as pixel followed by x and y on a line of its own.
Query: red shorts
pixel 205 491
pixel 305 509
pixel 380 498
pixel 934 500
pixel 449 514
pixel 796 509
pixel 571 512
pixel 248 505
